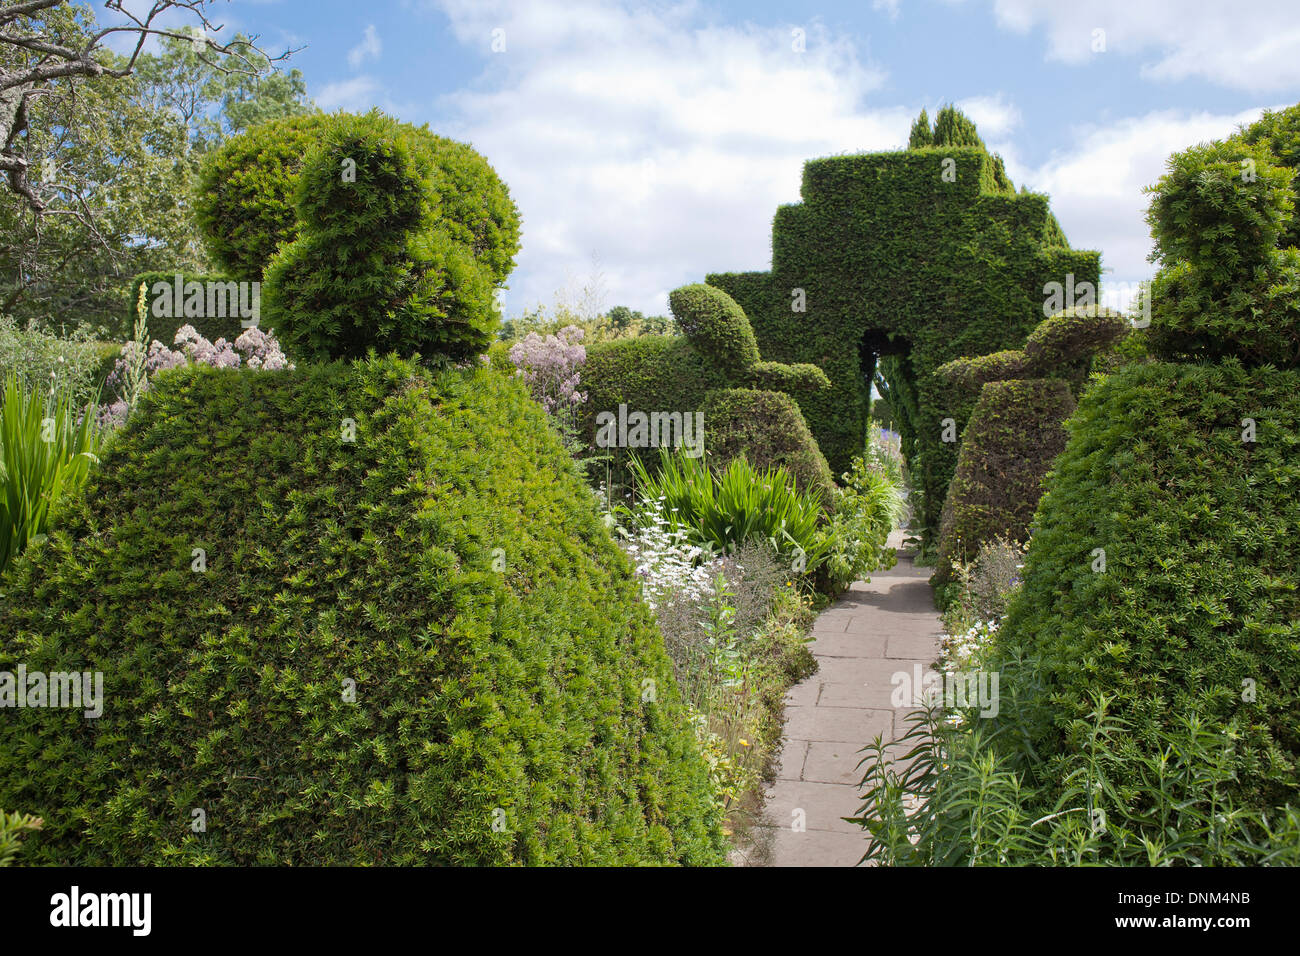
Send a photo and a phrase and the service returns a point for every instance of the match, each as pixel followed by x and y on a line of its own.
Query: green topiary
pixel 376 263
pixel 1164 572
pixel 1016 429
pixel 716 327
pixel 1014 434
pixel 652 373
pixel 1071 337
pixel 243 200
pixel 917 257
pixel 768 429
pixel 1225 289
pixel 1278 131
pixel 414 642
pixel 1220 207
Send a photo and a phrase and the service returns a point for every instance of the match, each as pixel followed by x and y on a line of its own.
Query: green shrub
pixel 949 796
pixel 219 317
pixel 246 200
pixel 868 506
pixel 1199 600
pixel 243 201
pixel 1015 430
pixel 676 374
pixel 491 686
pixel 767 429
pixel 376 263
pixel 1014 435
pixel 13 826
pixel 917 257
pixel 1069 339
pixel 39 359
pixel 47 447
pixel 1279 132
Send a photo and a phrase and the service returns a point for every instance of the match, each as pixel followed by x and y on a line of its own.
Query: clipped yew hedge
pixel 1015 433
pixel 511 700
pixel 768 430
pixel 919 256
pixel 716 352
pixel 1198 606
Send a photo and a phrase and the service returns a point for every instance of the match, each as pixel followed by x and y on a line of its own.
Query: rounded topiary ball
pixel 716 327
pixel 243 201
pixel 1221 208
pixel 379 262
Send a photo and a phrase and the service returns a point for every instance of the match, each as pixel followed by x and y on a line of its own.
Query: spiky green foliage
pixel 48 445
pixel 381 260
pixel 729 506
pixel 1279 132
pixel 491 686
pixel 918 256
pixel 13 827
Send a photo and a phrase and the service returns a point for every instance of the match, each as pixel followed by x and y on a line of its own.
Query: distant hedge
pixel 717 351
pixel 420 646
pixel 918 256
pixel 768 430
pixel 1196 607
pixel 218 318
pixel 1015 433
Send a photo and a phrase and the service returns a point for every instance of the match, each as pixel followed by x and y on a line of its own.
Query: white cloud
pixel 654 138
pixel 1255 48
pixel 993 115
pixel 1096 179
pixel 355 95
pixel 888 7
pixel 370 46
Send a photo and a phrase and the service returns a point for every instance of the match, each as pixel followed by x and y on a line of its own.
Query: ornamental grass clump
pixel 48 446
pixel 735 505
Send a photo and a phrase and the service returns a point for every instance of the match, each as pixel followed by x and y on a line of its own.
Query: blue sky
pixel 651 142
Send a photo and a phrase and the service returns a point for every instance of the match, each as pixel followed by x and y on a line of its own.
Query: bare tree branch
pixel 56 60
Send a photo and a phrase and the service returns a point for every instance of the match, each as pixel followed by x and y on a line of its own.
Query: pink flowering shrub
pixel 550 366
pixel 254 348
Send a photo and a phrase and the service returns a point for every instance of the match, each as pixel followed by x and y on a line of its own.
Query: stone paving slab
pixel 845 724
pixel 815 848
pixel 874 631
pixel 848 645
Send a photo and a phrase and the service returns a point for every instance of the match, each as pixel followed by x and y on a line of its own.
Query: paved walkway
pixel 873 631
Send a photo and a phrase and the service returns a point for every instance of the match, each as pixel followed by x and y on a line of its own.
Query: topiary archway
pixel 930 247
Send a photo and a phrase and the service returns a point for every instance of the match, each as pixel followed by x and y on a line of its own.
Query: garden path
pixel 874 630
